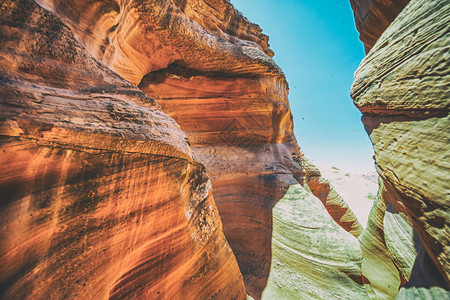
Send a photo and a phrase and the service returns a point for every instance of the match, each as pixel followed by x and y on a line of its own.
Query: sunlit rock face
pixel 401 87
pixel 211 70
pixel 104 197
pixel 388 249
pixel 100 195
pixel 137 37
pixel 334 203
pixel 240 128
pixel 372 17
pixel 313 257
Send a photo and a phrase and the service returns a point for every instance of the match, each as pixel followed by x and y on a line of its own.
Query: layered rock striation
pixel 211 70
pixel 336 206
pixel 106 196
pixel 101 196
pixel 401 87
pixel 313 257
pixel 134 38
pixel 372 17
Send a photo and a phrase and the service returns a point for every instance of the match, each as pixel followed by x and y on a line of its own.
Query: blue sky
pixel 317 46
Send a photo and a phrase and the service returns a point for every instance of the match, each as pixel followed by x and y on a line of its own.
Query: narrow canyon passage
pixel 236 117
pixel 148 152
pixel 241 130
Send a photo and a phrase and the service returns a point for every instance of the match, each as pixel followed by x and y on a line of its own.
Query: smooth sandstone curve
pixel 211 70
pixel 101 197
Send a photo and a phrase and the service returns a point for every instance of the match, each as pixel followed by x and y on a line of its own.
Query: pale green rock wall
pixel 381 276
pixel 402 88
pixel 312 256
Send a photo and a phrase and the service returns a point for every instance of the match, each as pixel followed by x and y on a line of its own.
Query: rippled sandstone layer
pixel 111 179
pixel 101 197
pixel 313 257
pixel 401 87
pixel 240 127
pixel 211 70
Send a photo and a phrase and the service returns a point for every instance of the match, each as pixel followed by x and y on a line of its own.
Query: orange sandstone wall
pixel 211 70
pixel 100 194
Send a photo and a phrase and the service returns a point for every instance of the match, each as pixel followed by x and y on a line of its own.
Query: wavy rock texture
pixel 333 202
pixel 432 292
pixel 380 275
pixel 388 248
pixel 313 257
pixel 372 17
pixel 240 127
pixel 358 189
pixel 100 194
pixel 401 87
pixel 134 38
pixel 399 240
pixel 211 82
pixel 153 212
pixel 211 70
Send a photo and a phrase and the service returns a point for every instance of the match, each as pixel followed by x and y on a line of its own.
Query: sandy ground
pixel 358 190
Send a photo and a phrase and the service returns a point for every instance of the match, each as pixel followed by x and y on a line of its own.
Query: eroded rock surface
pixel 240 128
pixel 211 70
pixel 382 276
pixel 96 172
pixel 134 38
pixel 372 17
pixel 401 87
pixel 101 197
pixel 313 257
pixel 333 202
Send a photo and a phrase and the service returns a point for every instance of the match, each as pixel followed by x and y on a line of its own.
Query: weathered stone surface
pixel 96 173
pixel 402 89
pixel 356 188
pixel 240 127
pixel 137 37
pixel 372 17
pixel 210 69
pixel 399 239
pixel 380 275
pixel 333 202
pixel 312 257
pixel 101 197
pixel 388 248
pixel 433 292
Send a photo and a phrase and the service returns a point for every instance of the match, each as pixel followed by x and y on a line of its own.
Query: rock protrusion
pixel 100 194
pixel 372 17
pixel 401 87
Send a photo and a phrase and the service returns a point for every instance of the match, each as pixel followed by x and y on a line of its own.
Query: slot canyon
pixel 148 152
